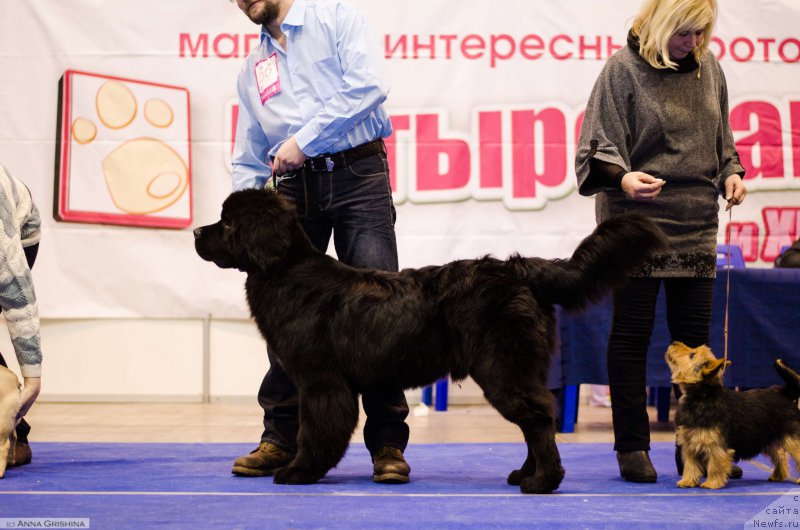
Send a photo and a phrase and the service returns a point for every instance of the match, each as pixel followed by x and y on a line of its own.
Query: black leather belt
pixel 333 161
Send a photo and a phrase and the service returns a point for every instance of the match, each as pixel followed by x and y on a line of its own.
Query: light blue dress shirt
pixel 331 90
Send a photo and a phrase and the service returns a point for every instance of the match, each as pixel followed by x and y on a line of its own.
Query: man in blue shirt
pixel 310 118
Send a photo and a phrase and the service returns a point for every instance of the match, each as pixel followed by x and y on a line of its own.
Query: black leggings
pixel 23 428
pixel 689 302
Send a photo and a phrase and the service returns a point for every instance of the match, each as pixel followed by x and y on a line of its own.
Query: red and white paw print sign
pixel 124 152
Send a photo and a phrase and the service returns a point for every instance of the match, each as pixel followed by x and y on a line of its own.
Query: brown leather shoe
pixel 390 467
pixel 22 455
pixel 261 462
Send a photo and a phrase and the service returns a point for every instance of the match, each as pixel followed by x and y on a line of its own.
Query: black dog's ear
pixel 266 227
pixel 266 242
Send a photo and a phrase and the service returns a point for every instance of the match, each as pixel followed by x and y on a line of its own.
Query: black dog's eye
pixel 227 225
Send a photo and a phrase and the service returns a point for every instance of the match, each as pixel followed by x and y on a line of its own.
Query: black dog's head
pixel 256 230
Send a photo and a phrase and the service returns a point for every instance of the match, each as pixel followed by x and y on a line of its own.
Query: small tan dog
pixel 717 425
pixel 9 407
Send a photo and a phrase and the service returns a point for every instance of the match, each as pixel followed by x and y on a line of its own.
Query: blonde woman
pixel 656 140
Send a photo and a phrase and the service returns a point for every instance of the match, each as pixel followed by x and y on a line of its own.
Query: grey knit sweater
pixel 672 125
pixel 21 224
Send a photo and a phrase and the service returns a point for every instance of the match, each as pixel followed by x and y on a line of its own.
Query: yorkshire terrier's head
pixel 694 365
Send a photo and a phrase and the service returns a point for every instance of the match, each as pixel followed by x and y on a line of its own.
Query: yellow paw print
pixel 144 175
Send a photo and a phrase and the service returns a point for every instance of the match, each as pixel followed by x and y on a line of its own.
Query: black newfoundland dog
pixel 339 331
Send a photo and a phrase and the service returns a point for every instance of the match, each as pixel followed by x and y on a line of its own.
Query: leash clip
pixel 277 179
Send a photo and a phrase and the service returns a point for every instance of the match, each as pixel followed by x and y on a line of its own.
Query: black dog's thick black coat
pixel 339 331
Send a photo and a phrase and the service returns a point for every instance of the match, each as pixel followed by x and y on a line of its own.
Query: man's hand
pixel 288 158
pixel 734 191
pixel 641 186
pixel 30 391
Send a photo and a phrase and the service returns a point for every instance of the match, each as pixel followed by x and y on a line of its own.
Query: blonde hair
pixel 659 20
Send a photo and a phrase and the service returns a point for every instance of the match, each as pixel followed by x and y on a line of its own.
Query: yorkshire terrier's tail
pixel 790 377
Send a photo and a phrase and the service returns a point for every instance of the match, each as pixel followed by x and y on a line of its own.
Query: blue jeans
pixel 354 204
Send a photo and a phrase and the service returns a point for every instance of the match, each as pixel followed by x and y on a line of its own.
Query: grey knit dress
pixel 672 125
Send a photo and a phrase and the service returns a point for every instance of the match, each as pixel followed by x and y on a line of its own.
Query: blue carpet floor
pixel 122 486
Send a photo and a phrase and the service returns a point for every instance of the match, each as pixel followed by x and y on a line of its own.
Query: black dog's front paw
pixel 515 477
pixel 293 475
pixel 542 483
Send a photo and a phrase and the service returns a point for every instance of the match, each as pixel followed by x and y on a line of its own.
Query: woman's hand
pixel 641 186
pixel 30 391
pixel 735 191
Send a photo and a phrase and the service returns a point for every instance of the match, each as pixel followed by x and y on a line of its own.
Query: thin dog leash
pixel 727 284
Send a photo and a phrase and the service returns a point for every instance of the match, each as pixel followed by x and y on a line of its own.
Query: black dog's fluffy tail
pixel 600 263
pixel 790 377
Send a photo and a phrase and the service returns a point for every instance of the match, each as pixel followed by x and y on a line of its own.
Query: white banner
pixel 486 101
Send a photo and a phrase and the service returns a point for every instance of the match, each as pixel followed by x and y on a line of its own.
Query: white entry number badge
pixel 267 79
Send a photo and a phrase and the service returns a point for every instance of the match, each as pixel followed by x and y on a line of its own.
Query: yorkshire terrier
pixel 717 426
pixel 9 407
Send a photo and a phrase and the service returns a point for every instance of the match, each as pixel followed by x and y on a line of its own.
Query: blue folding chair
pixel 736 257
pixel 441 394
pixel 660 397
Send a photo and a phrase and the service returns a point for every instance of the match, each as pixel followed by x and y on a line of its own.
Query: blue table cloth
pixel 763 325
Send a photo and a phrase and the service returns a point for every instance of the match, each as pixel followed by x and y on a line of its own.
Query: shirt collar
pixel 296 14
pixel 294 17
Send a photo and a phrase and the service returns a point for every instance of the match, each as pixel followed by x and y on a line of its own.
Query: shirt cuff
pixel 31 370
pixel 304 138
